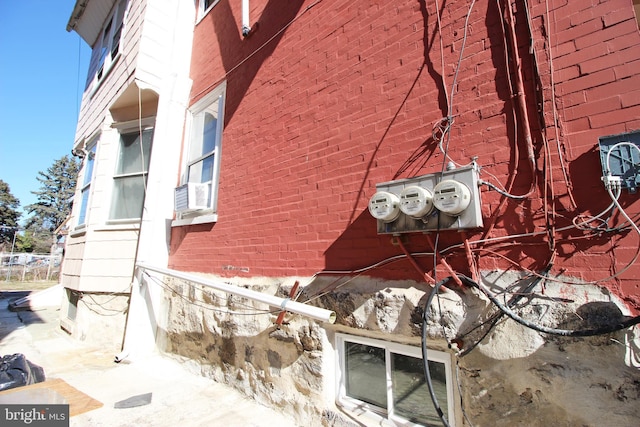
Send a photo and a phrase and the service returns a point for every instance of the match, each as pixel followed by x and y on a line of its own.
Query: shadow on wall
pixel 415 163
pixel 234 49
pixel 592 199
pixel 360 246
pixel 178 235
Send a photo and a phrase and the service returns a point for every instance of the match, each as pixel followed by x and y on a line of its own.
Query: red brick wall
pixel 335 96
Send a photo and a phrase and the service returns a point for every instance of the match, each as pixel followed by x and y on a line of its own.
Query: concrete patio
pixel 178 396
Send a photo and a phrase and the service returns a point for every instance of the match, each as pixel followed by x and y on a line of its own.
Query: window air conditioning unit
pixel 192 196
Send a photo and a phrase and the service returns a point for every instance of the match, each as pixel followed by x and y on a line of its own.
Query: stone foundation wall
pixel 508 374
pixel 100 319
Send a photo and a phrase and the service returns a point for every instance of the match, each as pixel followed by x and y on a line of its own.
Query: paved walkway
pixel 179 398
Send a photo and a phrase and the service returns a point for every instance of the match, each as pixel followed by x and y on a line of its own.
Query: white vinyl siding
pixel 107 48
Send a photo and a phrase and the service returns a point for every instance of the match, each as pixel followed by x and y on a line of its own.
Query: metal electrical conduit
pixel 285 304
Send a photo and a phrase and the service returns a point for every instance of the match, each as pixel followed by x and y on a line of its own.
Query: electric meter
pixel 416 201
pixel 451 197
pixel 384 206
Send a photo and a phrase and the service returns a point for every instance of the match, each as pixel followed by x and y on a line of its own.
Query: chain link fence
pixel 27 267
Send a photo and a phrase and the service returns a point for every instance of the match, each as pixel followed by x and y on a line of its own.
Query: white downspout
pixel 285 304
pixel 246 25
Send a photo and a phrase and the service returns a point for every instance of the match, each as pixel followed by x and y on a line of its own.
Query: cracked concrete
pixel 179 396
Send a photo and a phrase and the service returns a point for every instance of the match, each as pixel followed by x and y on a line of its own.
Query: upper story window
pixel 87 178
pixel 107 48
pixel 204 6
pixel 387 381
pixel 130 178
pixel 198 195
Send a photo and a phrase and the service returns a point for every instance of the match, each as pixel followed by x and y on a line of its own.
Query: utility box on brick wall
pixel 620 156
pixel 448 200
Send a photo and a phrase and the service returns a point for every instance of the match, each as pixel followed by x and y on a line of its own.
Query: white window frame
pixel 374 415
pixel 195 131
pixel 104 57
pixel 87 181
pixel 134 127
pixel 203 8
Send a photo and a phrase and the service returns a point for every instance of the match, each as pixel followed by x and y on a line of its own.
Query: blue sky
pixel 42 72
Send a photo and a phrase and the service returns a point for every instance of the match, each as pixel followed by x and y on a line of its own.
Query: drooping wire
pixel 425 351
pixel 258 49
pixel 495 318
pixel 442 129
pixel 504 309
pixel 502 192
pixel 587 332
pixel 206 306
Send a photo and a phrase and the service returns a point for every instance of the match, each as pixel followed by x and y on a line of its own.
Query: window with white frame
pixel 203 150
pixel 107 47
pixel 87 178
pixel 130 178
pixel 387 381
pixel 204 6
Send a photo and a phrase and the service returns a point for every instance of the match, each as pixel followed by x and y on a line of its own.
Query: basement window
pixel 381 382
pixel 72 308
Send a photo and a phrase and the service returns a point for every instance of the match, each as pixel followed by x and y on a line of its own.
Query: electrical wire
pixel 114 312
pixel 464 413
pixel 552 85
pixel 206 306
pixel 425 351
pixel 82 295
pixel 549 188
pixel 442 65
pixel 502 192
pixel 516 151
pixel 258 49
pixel 442 129
pixel 494 240
pixel 613 147
pixel 587 332
pixel 495 318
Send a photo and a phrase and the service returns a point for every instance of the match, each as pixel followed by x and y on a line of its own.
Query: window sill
pixel 363 416
pixel 199 219
pixel 123 226
pixel 80 230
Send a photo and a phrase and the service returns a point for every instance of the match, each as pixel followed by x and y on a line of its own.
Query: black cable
pixel 425 359
pixel 493 320
pixel 590 332
pixel 544 329
pixel 505 310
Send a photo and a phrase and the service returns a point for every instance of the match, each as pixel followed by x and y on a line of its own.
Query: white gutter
pixel 285 304
pixel 246 25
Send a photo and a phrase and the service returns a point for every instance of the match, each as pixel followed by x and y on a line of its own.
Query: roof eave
pixel 88 18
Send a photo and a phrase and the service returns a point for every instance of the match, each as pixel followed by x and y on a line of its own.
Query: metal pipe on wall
pixel 246 24
pixel 284 304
